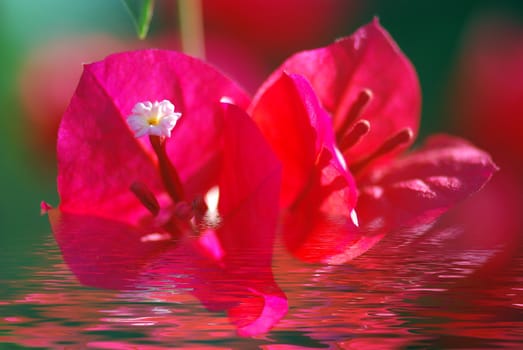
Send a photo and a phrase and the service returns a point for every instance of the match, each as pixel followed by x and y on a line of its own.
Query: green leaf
pixel 141 12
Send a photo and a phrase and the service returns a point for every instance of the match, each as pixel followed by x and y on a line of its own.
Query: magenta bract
pixel 118 219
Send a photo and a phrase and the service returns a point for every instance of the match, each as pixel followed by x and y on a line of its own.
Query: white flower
pixel 153 118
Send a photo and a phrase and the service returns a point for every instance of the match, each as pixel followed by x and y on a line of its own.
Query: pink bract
pixel 344 184
pixel 111 239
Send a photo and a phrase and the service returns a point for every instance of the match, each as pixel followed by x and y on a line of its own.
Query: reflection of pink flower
pixel 133 208
pixel 343 185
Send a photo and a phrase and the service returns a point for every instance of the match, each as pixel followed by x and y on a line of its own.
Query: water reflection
pixel 399 295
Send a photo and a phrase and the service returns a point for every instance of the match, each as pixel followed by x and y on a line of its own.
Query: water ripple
pixel 406 295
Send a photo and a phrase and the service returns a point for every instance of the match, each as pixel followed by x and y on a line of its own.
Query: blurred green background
pixel 429 32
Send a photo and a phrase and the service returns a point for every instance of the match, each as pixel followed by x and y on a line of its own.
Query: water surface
pixel 402 294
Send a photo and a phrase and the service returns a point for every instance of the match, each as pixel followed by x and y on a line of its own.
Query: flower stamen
pixel 355 110
pixel 354 135
pixel 146 197
pixel 170 177
pixel 391 144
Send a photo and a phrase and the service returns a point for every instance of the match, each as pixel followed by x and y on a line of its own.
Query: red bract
pixel 344 185
pixel 273 28
pixel 47 79
pixel 487 97
pixel 132 209
pixel 363 77
pixel 487 94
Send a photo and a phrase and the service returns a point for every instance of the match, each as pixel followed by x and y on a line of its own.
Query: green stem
pixel 191 27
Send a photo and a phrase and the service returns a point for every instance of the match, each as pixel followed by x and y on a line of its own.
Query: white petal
pixel 141 132
pixel 142 107
pixel 137 122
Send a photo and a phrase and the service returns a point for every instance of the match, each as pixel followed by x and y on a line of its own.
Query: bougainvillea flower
pixel 338 118
pixel 144 144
